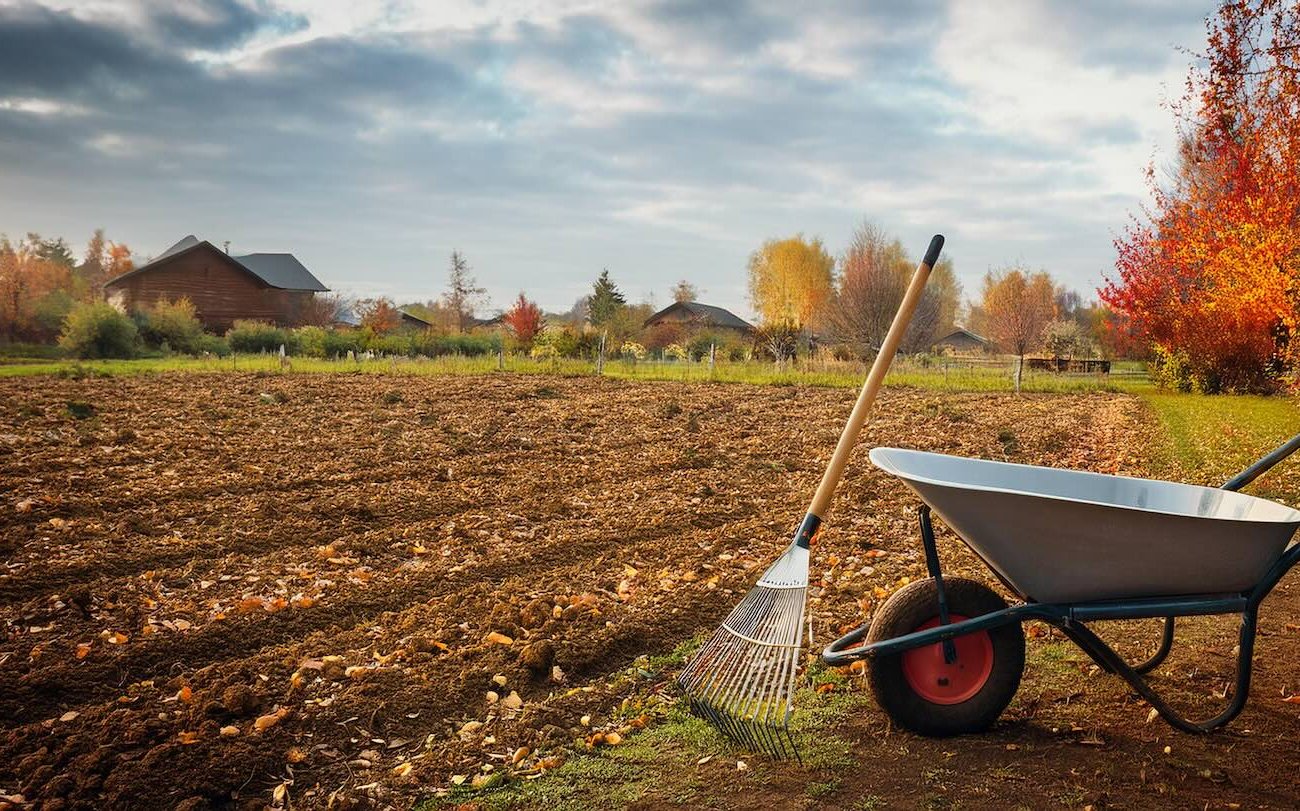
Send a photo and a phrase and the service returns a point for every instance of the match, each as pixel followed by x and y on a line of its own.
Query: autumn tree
pixel 379 315
pixel 684 291
pixel 35 285
pixel 605 300
pixel 874 275
pixel 1018 305
pixel 525 321
pixel 791 281
pixel 463 292
pixel 1209 276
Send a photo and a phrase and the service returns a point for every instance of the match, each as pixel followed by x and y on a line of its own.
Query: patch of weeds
pixel 79 372
pixel 79 410
pixel 391 397
pixel 546 393
pixel 869 803
pixel 670 410
pixel 1008 441
pixel 937 777
pixel 692 459
pixel 27 411
pixel 693 423
pixel 1072 797
pixel 124 437
pixel 276 397
pixel 823 788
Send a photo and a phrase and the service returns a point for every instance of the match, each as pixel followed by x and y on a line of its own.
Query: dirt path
pixel 241 590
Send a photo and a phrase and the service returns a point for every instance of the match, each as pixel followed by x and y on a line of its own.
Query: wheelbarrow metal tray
pixel 1067 536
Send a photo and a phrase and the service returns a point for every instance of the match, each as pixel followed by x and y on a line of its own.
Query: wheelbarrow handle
pixel 1262 466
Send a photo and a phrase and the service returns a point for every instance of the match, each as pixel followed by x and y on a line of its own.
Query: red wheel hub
pixel 939 682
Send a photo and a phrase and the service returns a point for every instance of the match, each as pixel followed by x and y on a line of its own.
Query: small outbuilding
pixel 272 287
pixel 962 340
pixel 692 315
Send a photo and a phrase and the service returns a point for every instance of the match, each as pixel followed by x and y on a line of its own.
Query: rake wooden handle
pixel 821 502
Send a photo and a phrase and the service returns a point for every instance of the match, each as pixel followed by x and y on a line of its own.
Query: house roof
pixel 707 313
pixel 279 270
pixel 410 316
pixel 282 270
pixel 963 331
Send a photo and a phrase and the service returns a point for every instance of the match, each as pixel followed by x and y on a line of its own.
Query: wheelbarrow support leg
pixel 1106 657
pixel 932 565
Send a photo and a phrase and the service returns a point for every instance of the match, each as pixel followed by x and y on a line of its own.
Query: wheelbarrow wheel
pixel 923 693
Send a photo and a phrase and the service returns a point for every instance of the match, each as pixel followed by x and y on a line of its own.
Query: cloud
pixel 663 139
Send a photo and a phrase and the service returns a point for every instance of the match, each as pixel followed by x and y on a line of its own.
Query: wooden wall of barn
pixel 220 292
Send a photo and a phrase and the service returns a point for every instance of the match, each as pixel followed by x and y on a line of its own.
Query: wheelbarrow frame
pixel 1072 618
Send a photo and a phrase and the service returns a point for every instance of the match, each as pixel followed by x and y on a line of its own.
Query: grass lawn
pixel 1207 439
pixel 937 376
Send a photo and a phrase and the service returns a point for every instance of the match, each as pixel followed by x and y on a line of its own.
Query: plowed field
pixel 234 591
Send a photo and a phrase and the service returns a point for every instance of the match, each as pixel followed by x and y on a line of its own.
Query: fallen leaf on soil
pixel 403 769
pixel 704 760
pixel 265 722
pixel 117 638
pixel 457 779
pixel 1153 715
pixel 185 694
pixel 1295 699
pixel 742 766
pixel 69 715
pixel 187 738
pixel 468 730
pixel 83 650
pixel 249 604
pixel 295 755
pixel 520 753
pixel 498 638
pixel 24 506
pixel 585 720
pixel 828 687
pixel 230 732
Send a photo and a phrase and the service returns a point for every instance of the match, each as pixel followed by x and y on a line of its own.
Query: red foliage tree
pixel 379 315
pixel 1209 277
pixel 525 320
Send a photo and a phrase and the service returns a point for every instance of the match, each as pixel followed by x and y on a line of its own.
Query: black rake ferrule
pixel 807 530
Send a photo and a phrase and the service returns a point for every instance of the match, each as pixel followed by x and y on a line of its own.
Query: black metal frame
pixel 1072 619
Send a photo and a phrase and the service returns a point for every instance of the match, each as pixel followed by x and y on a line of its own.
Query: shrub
pixel 542 351
pixel 389 344
pixel 98 330
pixel 212 345
pixel 631 350
pixel 311 341
pixel 339 343
pixel 259 336
pixel 1172 370
pixel 174 323
pixel 674 352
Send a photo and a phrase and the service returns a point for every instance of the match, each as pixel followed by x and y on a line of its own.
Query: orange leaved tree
pixel 1210 277
pixel 525 320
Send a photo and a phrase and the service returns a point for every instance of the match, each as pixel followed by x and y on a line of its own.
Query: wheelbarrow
pixel 945 656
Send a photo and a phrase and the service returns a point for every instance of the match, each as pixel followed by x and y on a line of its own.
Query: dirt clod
pixel 538 657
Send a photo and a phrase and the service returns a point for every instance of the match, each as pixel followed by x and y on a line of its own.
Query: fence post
pixel 600 356
pixel 501 359
pixel 713 351
pixel 1020 363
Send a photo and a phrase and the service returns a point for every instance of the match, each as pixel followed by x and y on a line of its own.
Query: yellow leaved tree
pixel 790 281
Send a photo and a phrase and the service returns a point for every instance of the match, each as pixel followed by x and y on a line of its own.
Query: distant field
pixel 933 375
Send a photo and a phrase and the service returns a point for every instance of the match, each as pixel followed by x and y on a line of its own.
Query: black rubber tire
pixel 907 610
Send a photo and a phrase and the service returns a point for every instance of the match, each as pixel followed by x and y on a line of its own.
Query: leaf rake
pixel 742 679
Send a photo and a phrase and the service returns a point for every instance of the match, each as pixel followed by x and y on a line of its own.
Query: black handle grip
pixel 932 253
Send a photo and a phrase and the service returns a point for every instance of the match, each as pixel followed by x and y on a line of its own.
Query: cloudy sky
pixel 547 139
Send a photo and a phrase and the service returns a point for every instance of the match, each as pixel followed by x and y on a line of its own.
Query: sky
pixel 548 139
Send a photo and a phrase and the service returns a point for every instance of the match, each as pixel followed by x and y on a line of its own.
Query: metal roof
pixel 279 270
pixel 282 270
pixel 707 313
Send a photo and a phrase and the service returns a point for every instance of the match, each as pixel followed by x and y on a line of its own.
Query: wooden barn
pixel 692 315
pixel 962 341
pixel 272 287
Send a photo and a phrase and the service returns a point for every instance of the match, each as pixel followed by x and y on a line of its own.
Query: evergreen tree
pixel 605 300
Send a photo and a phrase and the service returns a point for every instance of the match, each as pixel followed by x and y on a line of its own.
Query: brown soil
pixel 241 590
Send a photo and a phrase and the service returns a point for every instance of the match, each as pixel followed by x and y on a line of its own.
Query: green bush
pixel 51 311
pixel 259 336
pixel 213 345
pixel 311 341
pixel 174 323
pixel 389 344
pixel 338 343
pixel 98 330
